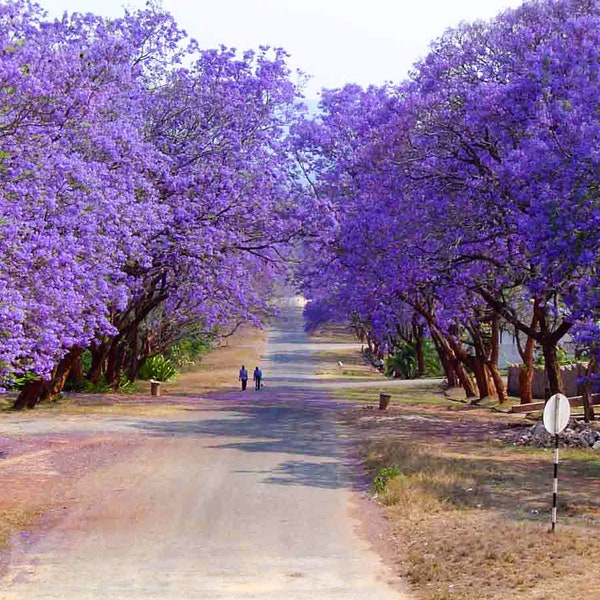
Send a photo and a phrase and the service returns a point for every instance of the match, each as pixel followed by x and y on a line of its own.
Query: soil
pixel 220 495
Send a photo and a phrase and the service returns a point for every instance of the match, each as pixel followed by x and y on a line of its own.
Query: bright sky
pixel 334 41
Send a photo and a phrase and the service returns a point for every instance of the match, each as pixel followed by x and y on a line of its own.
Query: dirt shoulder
pixel 45 452
pixel 468 512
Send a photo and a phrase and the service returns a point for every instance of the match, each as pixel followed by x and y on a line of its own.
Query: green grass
pixel 410 396
pixel 5 403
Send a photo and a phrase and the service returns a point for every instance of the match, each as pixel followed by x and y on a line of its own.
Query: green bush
pixel 126 386
pixel 89 387
pixel 158 367
pixel 433 366
pixel 188 352
pixel 564 358
pixel 403 363
pixel 86 386
pixel 18 383
pixel 383 476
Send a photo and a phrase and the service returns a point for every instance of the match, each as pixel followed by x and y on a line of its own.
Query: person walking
pixel 257 378
pixel 243 377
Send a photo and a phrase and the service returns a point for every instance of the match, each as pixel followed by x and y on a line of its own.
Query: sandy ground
pixel 234 495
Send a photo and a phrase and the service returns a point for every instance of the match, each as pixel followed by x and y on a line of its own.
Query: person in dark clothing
pixel 243 377
pixel 257 378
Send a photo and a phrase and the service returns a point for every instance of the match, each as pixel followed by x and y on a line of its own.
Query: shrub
pixel 158 367
pixel 383 476
pixel 126 386
pixel 403 363
pixel 189 352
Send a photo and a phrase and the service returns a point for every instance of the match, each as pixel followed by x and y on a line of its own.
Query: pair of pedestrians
pixel 256 377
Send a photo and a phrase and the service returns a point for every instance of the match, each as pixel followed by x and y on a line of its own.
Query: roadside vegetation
pixel 469 513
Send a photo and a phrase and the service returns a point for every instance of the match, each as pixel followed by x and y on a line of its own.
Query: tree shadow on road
pixel 282 422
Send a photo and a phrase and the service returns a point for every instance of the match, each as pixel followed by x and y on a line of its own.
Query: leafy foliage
pixel 403 363
pixel 468 195
pixel 158 367
pixel 384 474
pixel 189 351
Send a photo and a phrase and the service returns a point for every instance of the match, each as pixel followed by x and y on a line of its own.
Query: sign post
pixel 556 417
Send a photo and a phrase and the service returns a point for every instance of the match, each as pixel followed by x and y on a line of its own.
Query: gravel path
pixel 246 495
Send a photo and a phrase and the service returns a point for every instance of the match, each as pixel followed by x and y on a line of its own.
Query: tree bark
pixel 31 394
pixel 112 361
pixel 527 355
pixel 76 374
pixel 420 351
pixel 460 358
pixel 555 383
pixel 442 352
pixel 465 380
pixel 526 372
pixel 99 354
pixel 526 384
pixel 494 361
pixel 64 369
pixel 498 383
pixel 134 355
pixel 588 407
pixel 481 377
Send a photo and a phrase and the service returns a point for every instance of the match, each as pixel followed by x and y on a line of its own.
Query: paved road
pixel 249 496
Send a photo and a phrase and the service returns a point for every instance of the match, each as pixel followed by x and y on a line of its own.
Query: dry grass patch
pixel 461 532
pixel 353 364
pixel 113 405
pixel 220 367
pixel 15 519
pixel 334 333
pixel 469 514
pixel 404 393
pixel 218 370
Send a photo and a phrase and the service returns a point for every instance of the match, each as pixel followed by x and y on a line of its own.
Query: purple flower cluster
pixel 144 182
pixel 467 198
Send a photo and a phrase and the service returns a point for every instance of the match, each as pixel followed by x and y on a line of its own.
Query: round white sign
pixel 556 413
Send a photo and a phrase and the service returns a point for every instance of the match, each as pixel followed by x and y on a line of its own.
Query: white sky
pixel 333 41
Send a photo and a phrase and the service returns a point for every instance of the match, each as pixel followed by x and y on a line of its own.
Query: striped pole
pixel 556 417
pixel 555 484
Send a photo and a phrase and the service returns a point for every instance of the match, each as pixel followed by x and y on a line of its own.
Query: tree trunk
pixel 481 377
pixel 76 374
pixel 527 353
pixel 552 367
pixel 465 379
pixel 99 354
pixel 455 371
pixel 442 351
pixel 420 353
pixel 134 354
pixel 526 373
pixel 526 384
pixel 112 362
pixel 588 407
pixel 31 394
pixel 459 358
pixel 64 369
pixel 494 360
pixel 498 383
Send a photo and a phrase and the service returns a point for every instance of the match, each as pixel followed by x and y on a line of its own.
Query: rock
pixel 538 429
pixel 578 435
